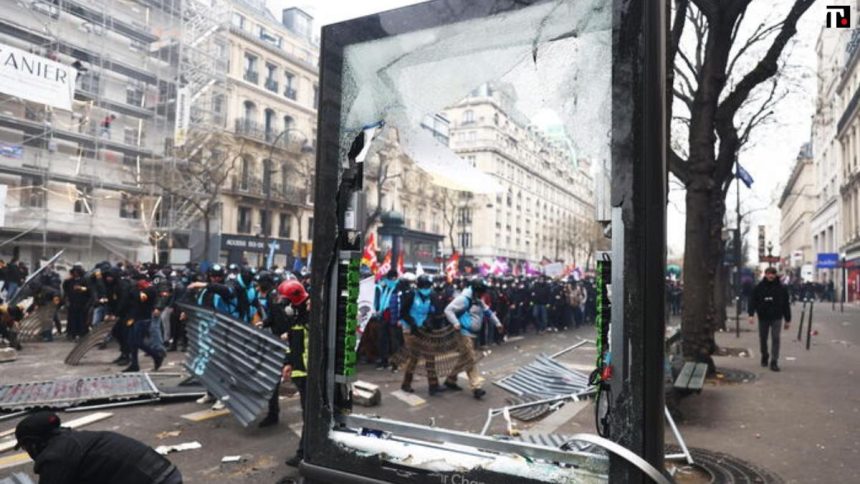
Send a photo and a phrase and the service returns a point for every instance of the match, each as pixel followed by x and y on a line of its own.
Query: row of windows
pixel 273 77
pixel 285 223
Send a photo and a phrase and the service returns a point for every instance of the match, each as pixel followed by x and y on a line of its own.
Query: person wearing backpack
pixel 466 313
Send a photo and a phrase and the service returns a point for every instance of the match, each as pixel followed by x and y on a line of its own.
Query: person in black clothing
pixel 540 299
pixel 277 316
pixel 178 335
pixel 119 291
pixel 12 278
pixel 442 295
pixel 771 301
pixel 65 456
pixel 519 308
pixel 138 319
pixel 76 293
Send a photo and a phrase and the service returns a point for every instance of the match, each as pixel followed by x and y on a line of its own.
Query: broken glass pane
pixel 485 167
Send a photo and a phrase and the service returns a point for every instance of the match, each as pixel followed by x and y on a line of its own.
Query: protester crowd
pixel 140 303
pixel 520 303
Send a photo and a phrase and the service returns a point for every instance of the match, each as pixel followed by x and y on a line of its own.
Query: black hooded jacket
pixel 770 300
pixel 77 457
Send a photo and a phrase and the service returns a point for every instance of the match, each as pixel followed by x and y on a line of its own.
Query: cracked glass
pixel 486 144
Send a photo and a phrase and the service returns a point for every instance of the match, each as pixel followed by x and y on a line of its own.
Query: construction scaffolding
pixel 85 179
pixel 76 177
pixel 199 49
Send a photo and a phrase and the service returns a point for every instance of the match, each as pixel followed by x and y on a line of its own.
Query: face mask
pixel 424 291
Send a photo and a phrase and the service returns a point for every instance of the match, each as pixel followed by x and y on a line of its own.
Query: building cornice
pixel 277 51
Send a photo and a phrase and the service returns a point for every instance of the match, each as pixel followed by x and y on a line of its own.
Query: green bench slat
pixel 697 381
pixel 692 376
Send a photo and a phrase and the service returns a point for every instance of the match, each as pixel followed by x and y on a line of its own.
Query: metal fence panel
pixel 69 392
pixel 235 361
pixel 545 378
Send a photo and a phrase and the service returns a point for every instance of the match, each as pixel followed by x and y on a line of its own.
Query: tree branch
pixel 678 167
pixel 767 66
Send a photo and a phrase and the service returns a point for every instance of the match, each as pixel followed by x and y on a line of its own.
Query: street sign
pixel 761 242
pixel 827 260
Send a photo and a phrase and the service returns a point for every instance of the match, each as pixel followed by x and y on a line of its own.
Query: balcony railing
pixel 252 76
pixel 272 85
pixel 279 193
pixel 291 93
pixel 288 141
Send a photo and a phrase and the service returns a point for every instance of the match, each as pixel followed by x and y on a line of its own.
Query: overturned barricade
pixel 236 362
pixel 72 392
pixel 545 378
pixel 97 337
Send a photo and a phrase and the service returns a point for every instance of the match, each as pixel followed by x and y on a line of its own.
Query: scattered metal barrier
pixel 235 361
pixel 17 478
pixel 95 337
pixel 32 326
pixel 70 392
pixel 527 414
pixel 545 378
pixel 550 402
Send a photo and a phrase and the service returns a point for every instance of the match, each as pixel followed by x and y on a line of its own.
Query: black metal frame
pixel 327 462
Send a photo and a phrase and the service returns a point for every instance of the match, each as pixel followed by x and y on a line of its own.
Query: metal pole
pixel 844 284
pixel 800 326
pixel 738 253
pixel 809 323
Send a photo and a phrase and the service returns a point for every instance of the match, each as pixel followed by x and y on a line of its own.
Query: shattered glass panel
pixel 548 57
pixel 488 136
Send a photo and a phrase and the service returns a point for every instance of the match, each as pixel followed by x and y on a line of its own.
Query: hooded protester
pixel 63 455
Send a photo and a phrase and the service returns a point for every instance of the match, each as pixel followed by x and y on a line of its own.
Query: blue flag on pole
pixel 745 176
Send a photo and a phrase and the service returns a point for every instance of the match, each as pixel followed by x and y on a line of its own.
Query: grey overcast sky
pixel 769 160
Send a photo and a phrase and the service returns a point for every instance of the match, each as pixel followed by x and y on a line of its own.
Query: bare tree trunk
pixel 700 251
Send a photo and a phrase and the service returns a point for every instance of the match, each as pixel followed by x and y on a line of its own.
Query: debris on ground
pixel 171 433
pixel 8 354
pixel 166 449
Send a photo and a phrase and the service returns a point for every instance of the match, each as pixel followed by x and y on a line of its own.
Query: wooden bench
pixel 692 376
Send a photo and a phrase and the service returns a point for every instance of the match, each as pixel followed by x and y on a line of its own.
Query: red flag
pixel 385 266
pixel 451 266
pixel 400 270
pixel 368 257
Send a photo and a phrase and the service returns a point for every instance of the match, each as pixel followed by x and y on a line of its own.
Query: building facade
pixel 546 210
pixel 271 106
pixel 826 224
pixel 797 204
pixel 72 177
pixel 848 135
